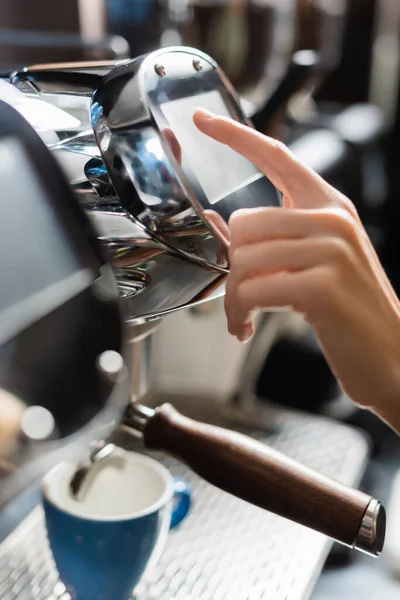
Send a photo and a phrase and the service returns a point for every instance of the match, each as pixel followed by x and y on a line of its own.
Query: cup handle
pixel 182 501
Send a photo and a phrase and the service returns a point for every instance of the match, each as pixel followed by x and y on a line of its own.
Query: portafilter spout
pixel 263 476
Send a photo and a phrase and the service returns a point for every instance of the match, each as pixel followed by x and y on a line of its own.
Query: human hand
pixel 11 411
pixel 173 144
pixel 314 257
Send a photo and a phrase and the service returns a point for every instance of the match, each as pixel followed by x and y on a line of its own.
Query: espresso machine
pixel 149 204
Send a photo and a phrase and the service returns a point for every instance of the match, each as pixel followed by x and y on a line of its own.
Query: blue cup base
pixel 100 558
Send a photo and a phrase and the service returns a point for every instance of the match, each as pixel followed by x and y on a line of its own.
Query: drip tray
pixel 226 549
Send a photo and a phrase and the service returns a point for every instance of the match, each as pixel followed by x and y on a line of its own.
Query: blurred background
pixel 322 75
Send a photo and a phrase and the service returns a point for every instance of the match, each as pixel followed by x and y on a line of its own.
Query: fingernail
pixel 205 114
pixel 246 334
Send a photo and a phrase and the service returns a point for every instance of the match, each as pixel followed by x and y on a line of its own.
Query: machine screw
pixel 159 69
pixel 197 64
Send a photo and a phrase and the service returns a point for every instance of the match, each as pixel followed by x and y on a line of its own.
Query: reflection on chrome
pixel 165 254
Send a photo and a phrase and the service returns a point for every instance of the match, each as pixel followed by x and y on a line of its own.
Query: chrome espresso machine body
pixel 147 209
pixel 123 134
pixel 104 124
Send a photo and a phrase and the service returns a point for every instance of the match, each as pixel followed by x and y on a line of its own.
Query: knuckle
pixel 237 226
pixel 342 223
pixel 280 148
pixel 339 251
pixel 234 225
pixel 348 206
pixel 246 265
pixel 249 224
pixel 238 260
pixel 235 218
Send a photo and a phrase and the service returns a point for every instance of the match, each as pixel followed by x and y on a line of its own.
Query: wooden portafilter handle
pixel 264 477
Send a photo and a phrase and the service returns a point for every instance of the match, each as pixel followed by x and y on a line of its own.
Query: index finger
pixel 299 183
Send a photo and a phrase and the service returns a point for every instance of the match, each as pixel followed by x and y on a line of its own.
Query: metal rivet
pixel 159 69
pixel 197 65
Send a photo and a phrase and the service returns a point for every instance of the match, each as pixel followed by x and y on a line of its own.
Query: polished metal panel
pixel 156 274
pixel 143 361
pixel 227 548
pixel 136 113
pixel 154 279
pixel 149 214
pixel 78 480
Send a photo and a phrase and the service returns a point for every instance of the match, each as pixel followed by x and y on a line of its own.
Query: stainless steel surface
pixel 142 364
pixel 226 548
pixel 164 254
pixel 252 40
pixel 148 209
pixel 78 479
pixel 156 177
pixel 371 535
pixel 161 263
pixel 140 370
pixel 136 418
pixel 19 45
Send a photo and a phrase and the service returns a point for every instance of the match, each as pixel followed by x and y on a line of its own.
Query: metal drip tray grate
pixel 226 549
